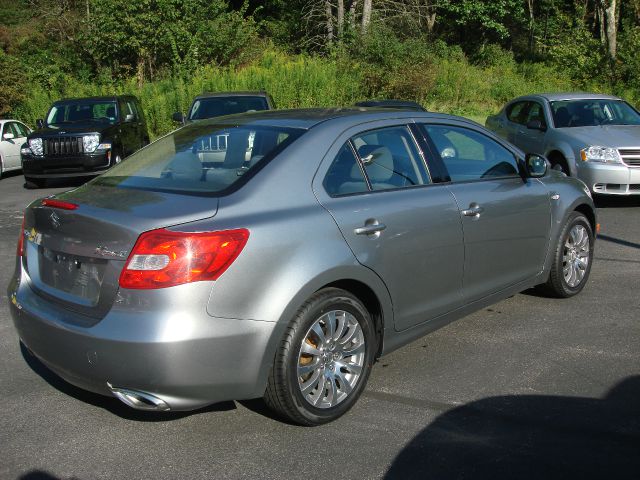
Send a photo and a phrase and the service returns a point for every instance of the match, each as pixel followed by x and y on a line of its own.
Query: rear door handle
pixel 474 210
pixel 370 228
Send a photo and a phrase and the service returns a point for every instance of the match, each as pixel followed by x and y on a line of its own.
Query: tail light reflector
pixel 50 202
pixel 20 250
pixel 163 258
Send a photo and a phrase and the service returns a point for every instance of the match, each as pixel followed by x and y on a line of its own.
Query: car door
pixel 531 140
pixel 506 218
pixel 395 220
pixel 11 146
pixel 128 128
pixel 516 115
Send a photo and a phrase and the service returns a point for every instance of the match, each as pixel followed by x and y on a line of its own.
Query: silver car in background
pixel 319 241
pixel 590 136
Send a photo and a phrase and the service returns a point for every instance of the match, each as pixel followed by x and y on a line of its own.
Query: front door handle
pixel 371 227
pixel 474 210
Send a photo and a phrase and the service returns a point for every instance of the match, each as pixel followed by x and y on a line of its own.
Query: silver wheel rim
pixel 575 258
pixel 331 359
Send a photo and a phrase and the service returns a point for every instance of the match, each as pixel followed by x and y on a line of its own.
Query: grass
pixel 451 85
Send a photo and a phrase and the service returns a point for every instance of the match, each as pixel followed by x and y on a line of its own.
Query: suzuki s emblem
pixel 55 220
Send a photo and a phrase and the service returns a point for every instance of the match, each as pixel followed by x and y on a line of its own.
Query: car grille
pixel 630 156
pixel 63 146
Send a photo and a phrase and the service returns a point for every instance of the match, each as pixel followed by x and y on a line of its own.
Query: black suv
pixel 83 137
pixel 208 105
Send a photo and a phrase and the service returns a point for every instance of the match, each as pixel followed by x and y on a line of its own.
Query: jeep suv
pixel 83 137
pixel 210 105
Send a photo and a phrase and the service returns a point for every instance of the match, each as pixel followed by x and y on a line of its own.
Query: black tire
pixel 284 393
pixel 558 285
pixel 35 182
pixel 559 164
pixel 116 157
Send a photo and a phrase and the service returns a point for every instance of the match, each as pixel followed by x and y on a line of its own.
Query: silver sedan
pixel 590 136
pixel 279 254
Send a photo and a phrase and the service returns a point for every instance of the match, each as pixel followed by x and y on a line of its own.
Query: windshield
pixel 200 159
pixel 82 111
pixel 218 106
pixel 590 113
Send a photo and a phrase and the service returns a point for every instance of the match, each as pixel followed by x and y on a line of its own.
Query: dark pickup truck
pixel 83 137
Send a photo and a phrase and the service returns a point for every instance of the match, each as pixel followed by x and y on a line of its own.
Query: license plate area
pixel 77 276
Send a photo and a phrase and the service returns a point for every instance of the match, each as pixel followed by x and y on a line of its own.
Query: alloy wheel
pixel 575 258
pixel 331 359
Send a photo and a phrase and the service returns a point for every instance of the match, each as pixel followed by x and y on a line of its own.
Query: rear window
pixel 201 158
pixel 218 106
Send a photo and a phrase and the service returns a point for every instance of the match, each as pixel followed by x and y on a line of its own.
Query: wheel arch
pixel 564 154
pixel 369 299
pixel 588 212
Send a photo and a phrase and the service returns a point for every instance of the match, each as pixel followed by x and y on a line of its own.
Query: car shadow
pixel 42 475
pixel 111 403
pixel 616 201
pixel 70 182
pixel 530 437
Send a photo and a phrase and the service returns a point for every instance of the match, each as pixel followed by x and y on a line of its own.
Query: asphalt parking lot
pixel 528 388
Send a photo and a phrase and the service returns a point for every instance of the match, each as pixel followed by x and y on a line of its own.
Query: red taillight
pixel 162 258
pixel 50 202
pixel 20 250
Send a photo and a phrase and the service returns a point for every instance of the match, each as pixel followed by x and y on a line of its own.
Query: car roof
pixel 106 98
pixel 558 96
pixel 256 93
pixel 310 117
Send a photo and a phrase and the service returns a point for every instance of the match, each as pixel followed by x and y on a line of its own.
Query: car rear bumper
pixel 66 166
pixel 185 361
pixel 610 179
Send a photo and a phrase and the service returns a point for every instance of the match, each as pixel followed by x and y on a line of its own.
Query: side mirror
pixel 536 165
pixel 178 117
pixel 129 118
pixel 8 136
pixel 40 123
pixel 536 125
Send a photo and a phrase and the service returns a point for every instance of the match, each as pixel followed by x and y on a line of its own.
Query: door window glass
pixel 391 158
pixel 21 129
pixel 470 155
pixel 345 174
pixel 130 109
pixel 536 113
pixel 517 112
pixel 11 128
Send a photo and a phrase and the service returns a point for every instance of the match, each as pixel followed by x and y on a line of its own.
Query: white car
pixel 13 135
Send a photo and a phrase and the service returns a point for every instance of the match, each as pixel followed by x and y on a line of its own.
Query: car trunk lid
pixel 75 256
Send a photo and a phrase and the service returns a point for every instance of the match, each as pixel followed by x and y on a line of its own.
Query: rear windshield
pixel 200 158
pixel 593 112
pixel 83 111
pixel 218 106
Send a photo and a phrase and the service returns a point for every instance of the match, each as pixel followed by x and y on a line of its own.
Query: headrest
pixel 378 162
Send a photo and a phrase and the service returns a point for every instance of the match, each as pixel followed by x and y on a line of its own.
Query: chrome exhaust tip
pixel 139 400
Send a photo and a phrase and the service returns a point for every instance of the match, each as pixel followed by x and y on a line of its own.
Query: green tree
pixel 147 36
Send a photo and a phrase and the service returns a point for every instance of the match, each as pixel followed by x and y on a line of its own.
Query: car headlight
pixel 90 142
pixel 600 154
pixel 35 144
